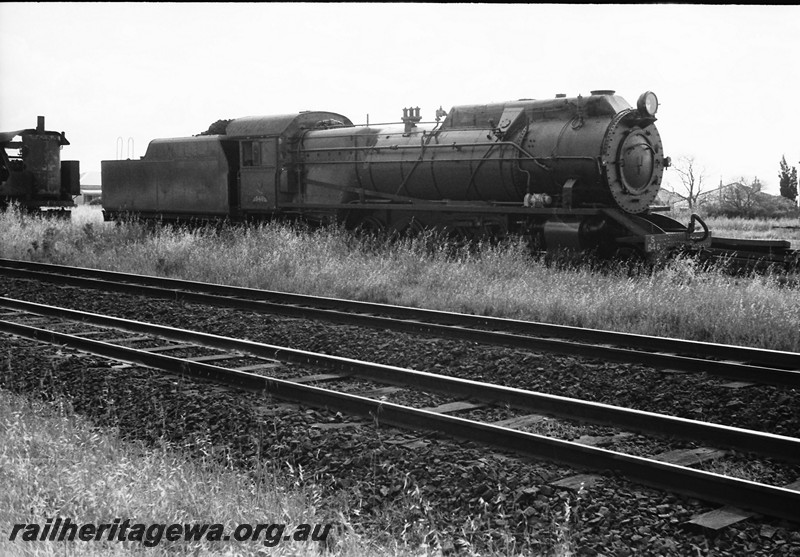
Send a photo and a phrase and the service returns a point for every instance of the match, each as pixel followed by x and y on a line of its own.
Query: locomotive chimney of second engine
pixel 40 123
pixel 410 118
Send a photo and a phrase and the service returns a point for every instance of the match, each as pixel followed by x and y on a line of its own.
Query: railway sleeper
pixel 727 516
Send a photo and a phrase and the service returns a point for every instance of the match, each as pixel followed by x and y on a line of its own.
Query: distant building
pixel 666 198
pixel 737 199
pixel 91 188
pixel 711 196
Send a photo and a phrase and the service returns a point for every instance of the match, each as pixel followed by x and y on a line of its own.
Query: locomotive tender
pixel 32 173
pixel 578 173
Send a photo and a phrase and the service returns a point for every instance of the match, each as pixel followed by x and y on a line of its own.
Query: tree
pixel 788 178
pixel 692 179
pixel 741 198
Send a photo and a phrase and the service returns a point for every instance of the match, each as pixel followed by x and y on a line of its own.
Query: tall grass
pixel 785 228
pixel 54 463
pixel 758 229
pixel 678 300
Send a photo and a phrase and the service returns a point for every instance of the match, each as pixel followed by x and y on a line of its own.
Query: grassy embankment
pixel 679 300
pixel 53 463
pixel 755 229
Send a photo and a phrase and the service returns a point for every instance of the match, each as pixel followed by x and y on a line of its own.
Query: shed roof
pixel 90 180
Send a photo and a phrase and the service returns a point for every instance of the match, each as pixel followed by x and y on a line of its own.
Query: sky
pixel 114 76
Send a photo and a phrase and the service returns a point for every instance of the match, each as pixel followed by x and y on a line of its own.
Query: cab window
pixel 251 153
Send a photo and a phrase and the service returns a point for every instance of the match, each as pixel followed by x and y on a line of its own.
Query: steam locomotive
pixel 32 173
pixel 567 172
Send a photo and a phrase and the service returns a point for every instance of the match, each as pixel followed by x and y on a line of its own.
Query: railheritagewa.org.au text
pixel 150 535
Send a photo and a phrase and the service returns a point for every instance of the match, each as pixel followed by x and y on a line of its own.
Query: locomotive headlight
pixel 647 103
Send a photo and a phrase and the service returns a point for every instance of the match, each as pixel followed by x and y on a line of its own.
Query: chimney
pixel 40 123
pixel 410 118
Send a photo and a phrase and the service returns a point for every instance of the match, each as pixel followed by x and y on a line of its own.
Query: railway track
pixel 733 362
pixel 42 323
pixel 754 255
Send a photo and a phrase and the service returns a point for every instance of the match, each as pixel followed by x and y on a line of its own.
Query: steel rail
pixel 789 360
pixel 743 440
pixel 771 366
pixel 761 498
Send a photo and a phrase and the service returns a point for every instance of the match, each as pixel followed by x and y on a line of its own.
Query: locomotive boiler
pixel 32 173
pixel 577 172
